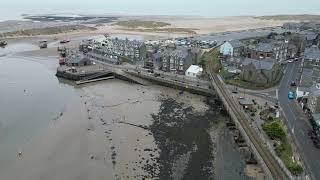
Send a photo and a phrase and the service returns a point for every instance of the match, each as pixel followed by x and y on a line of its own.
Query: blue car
pixel 291 95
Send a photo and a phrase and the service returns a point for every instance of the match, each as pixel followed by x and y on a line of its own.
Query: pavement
pixel 297 122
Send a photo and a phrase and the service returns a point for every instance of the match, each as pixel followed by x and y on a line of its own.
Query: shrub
pixel 295 168
pixel 274 129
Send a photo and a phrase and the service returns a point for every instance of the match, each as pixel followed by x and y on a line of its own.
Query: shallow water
pixel 30 97
pixel 103 130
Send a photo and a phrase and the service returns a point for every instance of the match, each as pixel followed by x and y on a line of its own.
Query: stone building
pixel 277 50
pixel 233 48
pixel 75 58
pixel 124 50
pixel 261 72
pixel 311 58
pixel 131 50
pixel 314 100
pixel 177 59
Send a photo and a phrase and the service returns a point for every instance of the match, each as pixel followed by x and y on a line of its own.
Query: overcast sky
pixel 171 7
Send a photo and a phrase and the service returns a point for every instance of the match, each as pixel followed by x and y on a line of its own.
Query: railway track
pixel 271 163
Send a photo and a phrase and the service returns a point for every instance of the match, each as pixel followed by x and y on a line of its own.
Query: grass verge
pixel 274 129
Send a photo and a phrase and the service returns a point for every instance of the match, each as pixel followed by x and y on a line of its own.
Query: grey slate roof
pixel 265 64
pixel 265 47
pixel 309 77
pixel 76 57
pixel 312 53
pixel 180 53
pixel 311 36
pixel 236 43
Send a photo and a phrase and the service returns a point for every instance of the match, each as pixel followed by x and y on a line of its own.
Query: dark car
pixel 316 143
pixel 293 83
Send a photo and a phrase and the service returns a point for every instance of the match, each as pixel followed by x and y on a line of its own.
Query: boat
pixel 64 41
pixel 61 61
pixel 3 43
pixel 43 44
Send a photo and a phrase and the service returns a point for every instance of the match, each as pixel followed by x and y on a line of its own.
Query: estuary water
pixel 104 130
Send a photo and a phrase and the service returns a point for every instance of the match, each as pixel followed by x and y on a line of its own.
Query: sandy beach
pixel 200 25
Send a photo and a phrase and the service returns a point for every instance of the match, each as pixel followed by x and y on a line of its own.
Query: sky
pixel 212 8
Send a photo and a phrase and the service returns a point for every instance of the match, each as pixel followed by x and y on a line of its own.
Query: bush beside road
pixel 274 129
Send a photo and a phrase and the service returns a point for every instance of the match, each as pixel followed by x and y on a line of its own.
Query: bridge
pixel 270 165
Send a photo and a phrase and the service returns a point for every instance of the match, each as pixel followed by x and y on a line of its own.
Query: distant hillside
pixel 302 17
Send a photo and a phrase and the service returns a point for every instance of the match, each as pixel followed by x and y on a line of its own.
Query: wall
pixel 226 49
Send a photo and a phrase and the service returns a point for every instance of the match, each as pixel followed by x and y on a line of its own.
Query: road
pixel 298 123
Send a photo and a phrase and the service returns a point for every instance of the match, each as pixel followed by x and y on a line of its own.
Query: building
pixel 314 100
pixel 103 57
pixel 76 59
pixel 176 59
pixel 311 38
pixel 261 72
pixel 308 88
pixel 308 77
pixel 194 71
pixel 124 50
pixel 311 57
pixel 128 50
pixel 233 48
pixel 277 50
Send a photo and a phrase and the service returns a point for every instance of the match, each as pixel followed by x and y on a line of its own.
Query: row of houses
pixel 115 49
pixel 276 50
pixel 259 60
pixel 308 91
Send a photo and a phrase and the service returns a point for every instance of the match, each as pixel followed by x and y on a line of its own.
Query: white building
pixel 194 71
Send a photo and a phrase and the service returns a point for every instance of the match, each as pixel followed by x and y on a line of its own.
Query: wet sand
pixel 117 130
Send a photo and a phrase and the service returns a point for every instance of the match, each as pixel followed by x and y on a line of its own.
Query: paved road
pixel 298 123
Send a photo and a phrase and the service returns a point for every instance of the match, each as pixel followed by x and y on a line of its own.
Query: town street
pixel 297 122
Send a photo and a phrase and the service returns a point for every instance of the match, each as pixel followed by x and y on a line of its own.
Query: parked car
pixel 293 83
pixel 291 95
pixel 290 60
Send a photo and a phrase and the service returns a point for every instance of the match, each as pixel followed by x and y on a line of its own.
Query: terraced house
pixel 131 50
pixel 233 48
pixel 176 60
pixel 311 57
pixel 277 50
